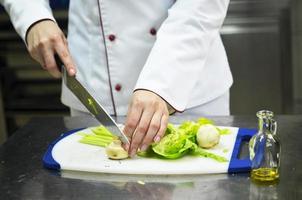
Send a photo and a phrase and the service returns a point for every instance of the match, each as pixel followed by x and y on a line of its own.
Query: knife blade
pixel 93 106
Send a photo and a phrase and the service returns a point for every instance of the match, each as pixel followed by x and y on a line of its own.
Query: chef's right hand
pixel 44 40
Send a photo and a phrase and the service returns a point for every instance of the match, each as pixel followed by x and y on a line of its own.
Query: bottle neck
pixel 265 125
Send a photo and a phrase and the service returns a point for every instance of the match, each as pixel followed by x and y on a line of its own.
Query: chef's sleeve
pixel 180 50
pixel 24 13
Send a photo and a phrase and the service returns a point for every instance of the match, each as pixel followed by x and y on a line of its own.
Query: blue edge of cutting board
pixel 236 165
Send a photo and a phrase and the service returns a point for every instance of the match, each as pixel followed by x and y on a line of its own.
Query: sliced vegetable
pixel 100 137
pixel 115 150
pixel 177 142
pixel 102 131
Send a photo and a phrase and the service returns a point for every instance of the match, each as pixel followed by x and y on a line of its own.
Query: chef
pixel 144 59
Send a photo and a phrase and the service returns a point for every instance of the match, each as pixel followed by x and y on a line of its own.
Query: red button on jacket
pixel 111 37
pixel 118 87
pixel 153 31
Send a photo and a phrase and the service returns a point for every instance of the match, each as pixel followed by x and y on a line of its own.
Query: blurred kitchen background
pixel 263 39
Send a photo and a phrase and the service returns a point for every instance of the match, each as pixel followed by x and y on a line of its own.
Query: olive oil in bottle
pixel 265 149
pixel 265 174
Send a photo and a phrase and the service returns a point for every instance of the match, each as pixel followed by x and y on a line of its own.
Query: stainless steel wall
pixel 257 39
pixel 296 30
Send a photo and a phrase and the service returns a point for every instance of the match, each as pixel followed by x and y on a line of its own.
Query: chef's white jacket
pixel 172 48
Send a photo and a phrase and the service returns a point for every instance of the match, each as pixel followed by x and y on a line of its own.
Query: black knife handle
pixel 59 62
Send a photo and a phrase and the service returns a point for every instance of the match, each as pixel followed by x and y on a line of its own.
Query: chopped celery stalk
pixel 101 130
pixel 201 152
pixel 97 139
pixel 105 137
pixel 97 136
pixel 93 142
pixel 100 137
pixel 206 154
pixel 223 131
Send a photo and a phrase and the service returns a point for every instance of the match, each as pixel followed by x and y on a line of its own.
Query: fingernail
pixel 133 153
pixel 144 147
pixel 72 71
pixel 157 139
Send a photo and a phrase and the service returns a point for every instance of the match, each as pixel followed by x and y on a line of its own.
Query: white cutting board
pixel 70 154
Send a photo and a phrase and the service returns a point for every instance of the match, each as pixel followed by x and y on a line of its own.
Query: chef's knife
pixel 92 104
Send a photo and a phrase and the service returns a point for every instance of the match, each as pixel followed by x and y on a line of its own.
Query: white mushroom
pixel 115 151
pixel 207 136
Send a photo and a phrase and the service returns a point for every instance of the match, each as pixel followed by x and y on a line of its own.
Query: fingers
pixel 49 62
pixel 63 52
pixel 151 128
pixel 140 131
pixel 156 131
pixel 163 127
pixel 146 121
pixel 132 120
pixel 44 40
pixel 154 126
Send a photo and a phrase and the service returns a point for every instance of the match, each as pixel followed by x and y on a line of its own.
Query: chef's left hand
pixel 147 120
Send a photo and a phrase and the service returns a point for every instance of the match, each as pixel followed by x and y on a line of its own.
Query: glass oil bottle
pixel 265 149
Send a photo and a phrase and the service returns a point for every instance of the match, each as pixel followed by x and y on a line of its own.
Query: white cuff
pixel 24 13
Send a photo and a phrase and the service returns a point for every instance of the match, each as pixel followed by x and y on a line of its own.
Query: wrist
pixel 171 110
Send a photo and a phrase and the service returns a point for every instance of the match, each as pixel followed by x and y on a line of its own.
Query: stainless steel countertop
pixel 23 177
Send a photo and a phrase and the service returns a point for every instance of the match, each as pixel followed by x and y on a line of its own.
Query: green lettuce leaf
pixel 203 121
pixel 171 146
